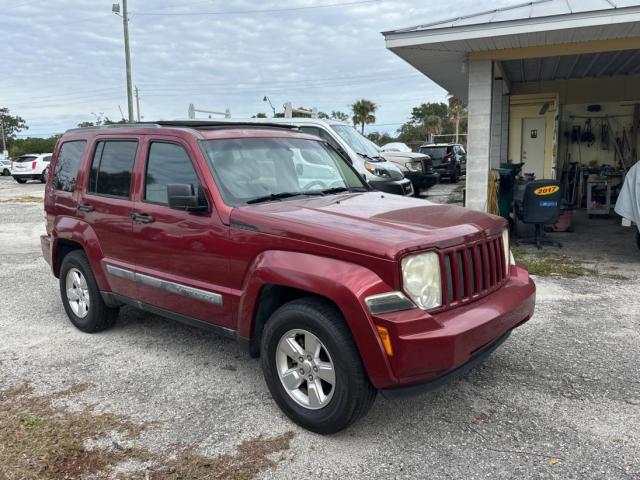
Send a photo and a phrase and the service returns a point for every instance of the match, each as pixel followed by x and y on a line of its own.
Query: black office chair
pixel 538 203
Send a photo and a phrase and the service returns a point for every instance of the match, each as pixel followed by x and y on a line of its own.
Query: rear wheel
pixel 81 297
pixel 455 176
pixel 6 172
pixel 312 366
pixel 21 180
pixel 43 177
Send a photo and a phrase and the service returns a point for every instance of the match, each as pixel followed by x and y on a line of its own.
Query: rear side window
pixel 111 168
pixel 26 158
pixel 435 152
pixel 47 158
pixel 69 159
pixel 167 163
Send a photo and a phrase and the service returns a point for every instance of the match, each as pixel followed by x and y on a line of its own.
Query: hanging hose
pixel 492 197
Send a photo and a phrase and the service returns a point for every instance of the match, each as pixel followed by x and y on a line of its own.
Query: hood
pixel 376 224
pixel 407 155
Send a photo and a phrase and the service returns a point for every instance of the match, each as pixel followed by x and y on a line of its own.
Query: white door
pixel 533 143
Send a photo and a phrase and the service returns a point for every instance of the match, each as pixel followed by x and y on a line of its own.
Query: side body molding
pixel 346 284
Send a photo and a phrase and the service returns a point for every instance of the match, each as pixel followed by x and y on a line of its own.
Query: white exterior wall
pixel 481 87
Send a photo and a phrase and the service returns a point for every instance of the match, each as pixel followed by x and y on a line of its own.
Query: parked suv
pixel 359 150
pixel 341 291
pixel 31 167
pixel 5 167
pixel 449 159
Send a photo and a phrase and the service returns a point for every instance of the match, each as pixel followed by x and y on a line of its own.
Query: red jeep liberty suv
pixel 269 236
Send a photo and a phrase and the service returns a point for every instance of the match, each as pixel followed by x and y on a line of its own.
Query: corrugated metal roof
pixel 524 11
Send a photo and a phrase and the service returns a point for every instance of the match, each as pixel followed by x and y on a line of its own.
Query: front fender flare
pixel 344 283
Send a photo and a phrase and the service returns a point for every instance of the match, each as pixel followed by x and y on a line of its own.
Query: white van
pixel 362 152
pixel 32 166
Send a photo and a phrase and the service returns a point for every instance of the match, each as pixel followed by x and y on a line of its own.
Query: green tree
pixel 457 115
pixel 433 125
pixel 10 125
pixel 380 138
pixel 22 146
pixel 101 119
pixel 260 115
pixel 363 113
pixel 337 115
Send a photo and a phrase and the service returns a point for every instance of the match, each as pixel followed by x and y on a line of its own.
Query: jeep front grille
pixel 472 271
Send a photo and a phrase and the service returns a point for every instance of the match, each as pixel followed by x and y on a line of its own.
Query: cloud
pixel 63 59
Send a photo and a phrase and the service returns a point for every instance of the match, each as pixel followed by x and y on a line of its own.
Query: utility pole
pixel 137 104
pixel 4 140
pixel 127 55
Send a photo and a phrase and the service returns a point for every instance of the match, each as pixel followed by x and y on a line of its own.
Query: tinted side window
pixel 69 158
pixel 111 167
pixel 167 163
pixel 47 158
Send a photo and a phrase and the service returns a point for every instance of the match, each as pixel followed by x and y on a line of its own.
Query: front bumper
pixel 422 180
pixel 397 187
pixel 427 346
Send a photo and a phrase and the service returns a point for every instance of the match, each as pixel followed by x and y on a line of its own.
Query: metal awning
pixel 441 49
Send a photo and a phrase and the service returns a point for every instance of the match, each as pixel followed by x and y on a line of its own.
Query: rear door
pixel 180 255
pixel 105 204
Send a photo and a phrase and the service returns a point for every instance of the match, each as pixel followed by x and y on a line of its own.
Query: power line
pixel 246 12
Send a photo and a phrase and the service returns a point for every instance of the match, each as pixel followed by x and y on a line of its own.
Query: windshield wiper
pixel 329 191
pixel 280 196
pixel 375 158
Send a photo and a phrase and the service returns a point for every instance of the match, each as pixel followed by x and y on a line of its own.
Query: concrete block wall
pixel 480 104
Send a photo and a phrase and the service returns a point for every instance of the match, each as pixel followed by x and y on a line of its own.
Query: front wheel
pixel 312 366
pixel 21 180
pixel 6 172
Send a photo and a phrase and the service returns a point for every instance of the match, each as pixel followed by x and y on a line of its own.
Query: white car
pixel 32 166
pixel 396 147
pixel 5 167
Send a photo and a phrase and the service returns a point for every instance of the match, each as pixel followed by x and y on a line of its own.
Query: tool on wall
pixel 604 136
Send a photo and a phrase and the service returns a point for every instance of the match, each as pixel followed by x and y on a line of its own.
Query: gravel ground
pixel 560 399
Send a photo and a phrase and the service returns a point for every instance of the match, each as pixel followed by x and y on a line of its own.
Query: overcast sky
pixel 61 60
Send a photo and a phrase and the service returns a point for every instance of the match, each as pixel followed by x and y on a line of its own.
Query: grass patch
pixel 23 199
pixel 548 264
pixel 41 442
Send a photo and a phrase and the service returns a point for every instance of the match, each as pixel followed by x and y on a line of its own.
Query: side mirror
pixel 182 197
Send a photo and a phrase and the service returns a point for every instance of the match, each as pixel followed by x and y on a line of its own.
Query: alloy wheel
pixel 77 293
pixel 305 369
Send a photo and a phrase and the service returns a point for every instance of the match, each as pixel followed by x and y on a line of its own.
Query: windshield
pixel 252 170
pixel 358 143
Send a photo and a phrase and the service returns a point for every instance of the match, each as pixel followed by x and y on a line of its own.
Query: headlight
pixel 508 256
pixel 378 172
pixel 414 166
pixel 422 280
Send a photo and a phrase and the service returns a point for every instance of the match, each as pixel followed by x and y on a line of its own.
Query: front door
pixel 533 145
pixel 181 266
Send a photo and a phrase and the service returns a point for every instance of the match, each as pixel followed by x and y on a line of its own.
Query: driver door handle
pixel 139 217
pixel 84 207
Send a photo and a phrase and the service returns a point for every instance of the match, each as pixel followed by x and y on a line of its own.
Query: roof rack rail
pixel 220 124
pixel 115 125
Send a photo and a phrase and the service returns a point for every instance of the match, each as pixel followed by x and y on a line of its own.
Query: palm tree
pixel 433 126
pixel 363 113
pixel 457 110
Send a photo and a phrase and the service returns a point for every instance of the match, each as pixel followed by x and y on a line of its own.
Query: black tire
pixel 638 239
pixel 353 394
pixel 6 172
pixel 43 177
pixel 21 180
pixel 99 316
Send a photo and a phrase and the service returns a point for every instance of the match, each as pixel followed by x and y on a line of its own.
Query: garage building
pixel 548 83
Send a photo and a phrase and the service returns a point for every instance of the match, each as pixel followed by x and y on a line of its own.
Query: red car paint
pixel 344 247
